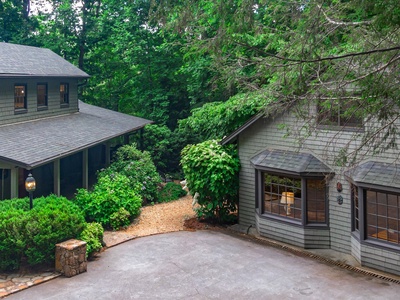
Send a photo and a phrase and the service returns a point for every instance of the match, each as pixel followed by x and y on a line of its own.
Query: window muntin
pixel 64 93
pixel 356 208
pixel 20 96
pixel 339 113
pixel 41 92
pixel 283 197
pixel 316 203
pixel 382 220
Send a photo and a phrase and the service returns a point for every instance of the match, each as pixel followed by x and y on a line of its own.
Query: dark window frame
pixel 24 97
pixel 64 95
pixel 303 203
pixel 384 237
pixel 40 105
pixel 333 116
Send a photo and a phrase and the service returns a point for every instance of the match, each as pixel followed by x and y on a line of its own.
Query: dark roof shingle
pixel 375 174
pixel 291 162
pixel 33 143
pixel 23 61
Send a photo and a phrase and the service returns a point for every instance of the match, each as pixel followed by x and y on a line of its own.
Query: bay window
pixel 295 198
pixel 375 195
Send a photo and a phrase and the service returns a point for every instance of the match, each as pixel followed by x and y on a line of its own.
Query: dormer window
pixel 20 103
pixel 64 94
pixel 41 92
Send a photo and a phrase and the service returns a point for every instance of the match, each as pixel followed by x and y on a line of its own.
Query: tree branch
pixel 342 23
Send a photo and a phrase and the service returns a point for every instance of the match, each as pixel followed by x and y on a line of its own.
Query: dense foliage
pixel 342 55
pixel 92 234
pixel 211 170
pixel 138 167
pixel 33 233
pixel 171 191
pixel 111 193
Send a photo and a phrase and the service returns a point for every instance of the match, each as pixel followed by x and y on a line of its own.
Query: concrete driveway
pixel 209 265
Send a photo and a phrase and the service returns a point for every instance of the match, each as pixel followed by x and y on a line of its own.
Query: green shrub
pixel 12 240
pixel 112 192
pixel 171 191
pixel 211 170
pixel 120 218
pixel 34 233
pixel 92 234
pixel 138 167
pixel 22 204
pixel 52 220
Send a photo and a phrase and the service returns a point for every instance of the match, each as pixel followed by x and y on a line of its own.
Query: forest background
pixel 200 69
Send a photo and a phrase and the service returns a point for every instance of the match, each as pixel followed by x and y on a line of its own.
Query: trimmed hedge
pixel 34 233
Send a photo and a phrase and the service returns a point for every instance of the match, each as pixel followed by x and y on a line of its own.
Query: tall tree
pixel 332 53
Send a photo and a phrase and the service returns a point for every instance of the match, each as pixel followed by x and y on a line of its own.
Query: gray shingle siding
pixel 7 111
pixel 324 144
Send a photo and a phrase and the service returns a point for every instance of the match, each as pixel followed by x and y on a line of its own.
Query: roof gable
pixel 24 61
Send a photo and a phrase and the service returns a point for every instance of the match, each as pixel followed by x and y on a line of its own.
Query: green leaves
pixel 211 170
pixel 111 193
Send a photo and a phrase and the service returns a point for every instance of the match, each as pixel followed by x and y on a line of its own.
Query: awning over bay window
pixel 376 174
pixel 290 162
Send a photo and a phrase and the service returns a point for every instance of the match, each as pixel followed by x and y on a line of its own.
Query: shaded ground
pixel 155 219
pixel 208 264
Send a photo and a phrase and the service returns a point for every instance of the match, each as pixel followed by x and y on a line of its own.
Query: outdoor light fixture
pixel 287 199
pixel 30 186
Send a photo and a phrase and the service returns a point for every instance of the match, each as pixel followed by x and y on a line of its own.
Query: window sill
pixel 19 111
pixel 41 108
pixel 382 245
pixel 64 105
pixel 294 222
pixel 290 221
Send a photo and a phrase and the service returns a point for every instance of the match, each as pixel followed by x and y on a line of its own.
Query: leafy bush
pixel 212 171
pixel 120 218
pixel 217 119
pixel 92 234
pixel 22 204
pixel 52 220
pixel 171 191
pixel 12 240
pixel 34 233
pixel 138 167
pixel 112 192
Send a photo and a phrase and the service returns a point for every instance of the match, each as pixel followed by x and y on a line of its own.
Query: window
pixel 289 197
pixel 20 97
pixel 339 113
pixel 355 208
pixel 382 216
pixel 64 93
pixel 41 92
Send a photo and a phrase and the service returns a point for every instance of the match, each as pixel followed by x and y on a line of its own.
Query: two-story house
pixel 300 194
pixel 45 130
